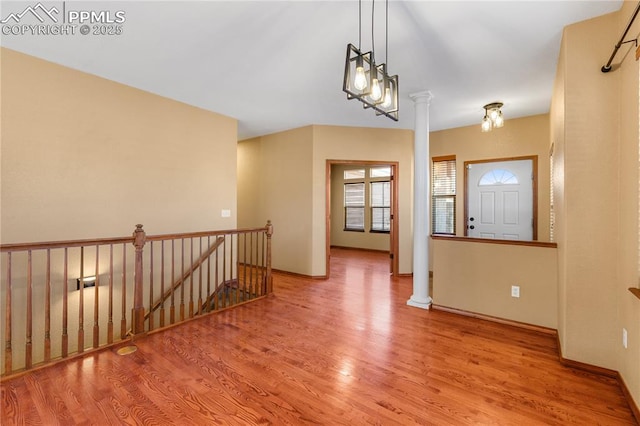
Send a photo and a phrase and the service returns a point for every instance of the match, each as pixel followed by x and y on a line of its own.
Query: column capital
pixel 424 96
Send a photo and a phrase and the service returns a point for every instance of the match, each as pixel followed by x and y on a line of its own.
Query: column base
pixel 422 304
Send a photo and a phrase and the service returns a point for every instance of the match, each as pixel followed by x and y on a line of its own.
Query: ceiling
pixel 277 65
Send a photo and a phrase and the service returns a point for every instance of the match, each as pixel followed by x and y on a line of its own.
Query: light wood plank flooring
pixel 342 351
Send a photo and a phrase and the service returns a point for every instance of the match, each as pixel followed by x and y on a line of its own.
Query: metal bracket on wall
pixel 607 67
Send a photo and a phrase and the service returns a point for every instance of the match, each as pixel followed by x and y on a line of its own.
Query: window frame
pixel 436 198
pixel 386 206
pixel 354 207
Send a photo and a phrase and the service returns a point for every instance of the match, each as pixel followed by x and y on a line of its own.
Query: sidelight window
pixel 443 199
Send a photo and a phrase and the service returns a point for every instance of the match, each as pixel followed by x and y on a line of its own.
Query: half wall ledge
pixel 492 241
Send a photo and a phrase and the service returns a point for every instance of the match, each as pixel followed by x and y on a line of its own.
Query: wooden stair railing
pixel 180 281
pixel 51 310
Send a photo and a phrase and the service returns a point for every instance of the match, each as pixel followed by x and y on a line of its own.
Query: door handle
pixel 471 219
pixel 472 227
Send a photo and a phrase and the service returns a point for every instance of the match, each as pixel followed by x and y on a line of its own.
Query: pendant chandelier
pixel 366 81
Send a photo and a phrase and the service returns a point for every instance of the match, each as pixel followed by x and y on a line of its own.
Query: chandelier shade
pixel 357 73
pixel 387 104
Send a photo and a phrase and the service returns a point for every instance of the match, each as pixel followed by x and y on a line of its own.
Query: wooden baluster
pixel 244 264
pixel 263 265
pixel 110 313
pixel 123 311
pixel 172 309
pixel 216 282
pixel 29 346
pixel 200 279
pixel 96 302
pixel 137 312
pixel 248 264
pixel 255 269
pixel 182 285
pixel 65 305
pixel 191 281
pixel 259 263
pixel 208 307
pixel 47 310
pixel 255 284
pixel 224 273
pixel 162 283
pixel 81 304
pixel 233 294
pixel 151 314
pixel 269 280
pixel 8 353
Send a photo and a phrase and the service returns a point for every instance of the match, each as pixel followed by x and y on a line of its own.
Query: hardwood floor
pixel 342 351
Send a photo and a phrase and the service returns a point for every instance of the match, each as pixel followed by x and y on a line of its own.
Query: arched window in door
pixel 498 177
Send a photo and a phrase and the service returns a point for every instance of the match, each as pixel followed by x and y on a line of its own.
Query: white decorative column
pixel 421 213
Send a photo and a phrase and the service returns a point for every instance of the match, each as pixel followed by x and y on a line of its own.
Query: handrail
pixel 202 234
pixel 607 67
pixel 43 245
pixel 40 245
pixel 180 281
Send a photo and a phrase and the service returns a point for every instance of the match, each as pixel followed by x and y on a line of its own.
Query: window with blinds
pixel 380 206
pixel 354 206
pixel 443 195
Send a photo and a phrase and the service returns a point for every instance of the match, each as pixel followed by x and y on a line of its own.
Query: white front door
pixel 500 200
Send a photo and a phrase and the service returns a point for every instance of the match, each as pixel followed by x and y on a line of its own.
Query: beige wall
pixel 290 170
pixel 340 237
pixel 353 143
pixel 519 137
pixel 484 284
pixel 595 131
pixel 628 263
pixel 477 277
pixel 85 157
pixel 274 181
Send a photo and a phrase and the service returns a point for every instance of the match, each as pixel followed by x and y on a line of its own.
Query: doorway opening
pixel 501 199
pixel 361 210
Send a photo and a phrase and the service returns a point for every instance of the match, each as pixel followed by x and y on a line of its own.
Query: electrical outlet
pixel 624 338
pixel 515 291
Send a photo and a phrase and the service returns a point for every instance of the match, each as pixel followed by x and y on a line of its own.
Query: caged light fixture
pixel 367 81
pixel 492 116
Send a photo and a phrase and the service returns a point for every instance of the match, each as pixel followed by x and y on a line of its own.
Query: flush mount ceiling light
pixel 492 116
pixel 367 81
